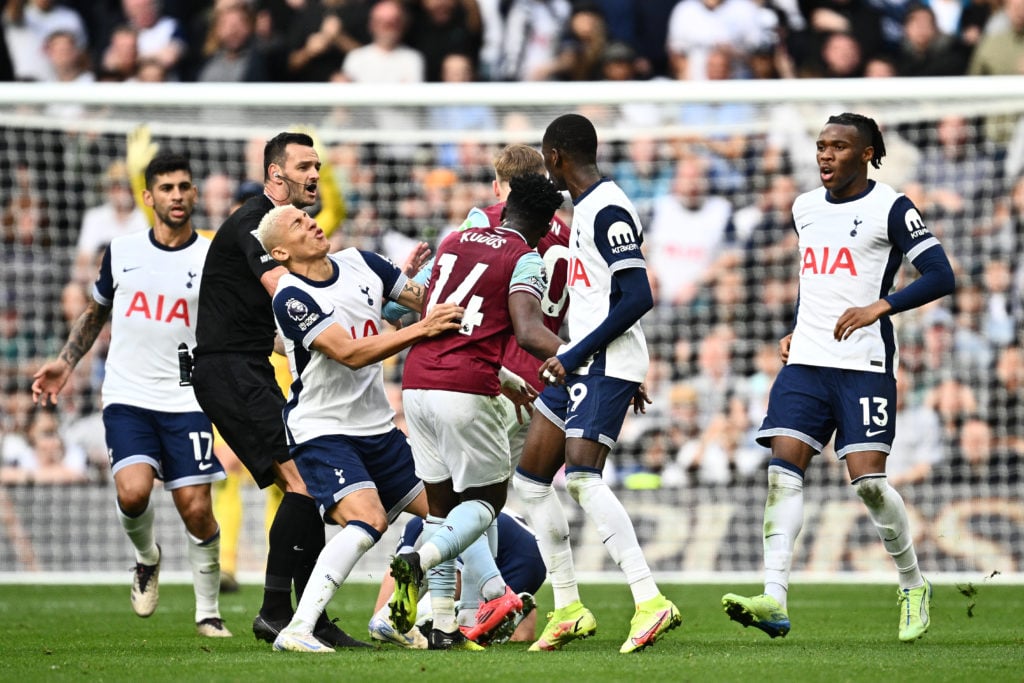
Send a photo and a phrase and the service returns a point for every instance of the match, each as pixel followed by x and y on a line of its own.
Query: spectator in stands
pixel 28 271
pixel 651 31
pixel 688 231
pixel 754 390
pixel 68 64
pixel 722 454
pixel 529 40
pixel 726 151
pixel 216 197
pixel 972 347
pixel 644 174
pixel 970 21
pixel 880 66
pixel 385 59
pixel 917 446
pixel 150 70
pixel 1003 399
pixel 117 216
pixel 27 25
pixel 958 171
pixel 51 461
pixel 46 17
pixel 1001 52
pixel 160 36
pixel 955 402
pixel 977 460
pixel 698 26
pixel 715 380
pixel 925 51
pixel 120 60
pixel 15 407
pixel 858 19
pixel 231 52
pixel 841 56
pixel 581 49
pixel 618 62
pixel 458 68
pixel 1002 314
pixel 321 34
pixel 439 28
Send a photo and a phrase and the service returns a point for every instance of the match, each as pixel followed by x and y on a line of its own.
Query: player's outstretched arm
pixel 52 376
pixel 336 343
pixel 635 301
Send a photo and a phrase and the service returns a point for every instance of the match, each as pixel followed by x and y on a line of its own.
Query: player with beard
pixel 148 287
pixel 234 380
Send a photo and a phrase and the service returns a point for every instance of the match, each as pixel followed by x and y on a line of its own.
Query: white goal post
pixel 408 159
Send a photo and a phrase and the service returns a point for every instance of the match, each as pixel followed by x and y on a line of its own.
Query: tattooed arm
pixel 413 296
pixel 51 378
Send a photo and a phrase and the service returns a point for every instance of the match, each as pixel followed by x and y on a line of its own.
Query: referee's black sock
pixel 316 539
pixel 286 541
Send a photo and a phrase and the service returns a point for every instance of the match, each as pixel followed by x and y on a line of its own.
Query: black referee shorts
pixel 239 394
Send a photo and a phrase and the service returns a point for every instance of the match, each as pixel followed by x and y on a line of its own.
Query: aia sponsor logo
pixel 161 308
pixel 826 261
pixel 578 274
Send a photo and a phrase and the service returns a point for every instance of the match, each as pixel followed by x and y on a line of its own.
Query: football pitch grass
pixel 840 633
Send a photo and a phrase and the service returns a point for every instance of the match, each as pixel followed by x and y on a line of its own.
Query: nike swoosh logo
pixel 874 432
pixel 570 418
pixel 212 571
pixel 642 638
pixel 203 466
pixel 805 225
pixel 127 270
pixel 297 549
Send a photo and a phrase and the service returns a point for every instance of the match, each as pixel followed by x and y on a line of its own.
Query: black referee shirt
pixel 235 313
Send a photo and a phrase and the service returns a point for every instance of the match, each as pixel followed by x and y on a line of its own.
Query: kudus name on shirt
pixel 493 241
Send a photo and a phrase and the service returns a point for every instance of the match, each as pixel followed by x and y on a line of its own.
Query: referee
pixel 234 380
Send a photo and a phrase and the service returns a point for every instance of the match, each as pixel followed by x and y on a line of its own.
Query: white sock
pixel 140 533
pixel 616 528
pixel 889 513
pixel 441 580
pixel 783 519
pixel 204 557
pixel 542 509
pixel 464 524
pixel 332 568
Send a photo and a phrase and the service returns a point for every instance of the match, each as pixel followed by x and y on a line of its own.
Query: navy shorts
pixel 334 466
pixel 519 559
pixel 589 407
pixel 812 403
pixel 179 446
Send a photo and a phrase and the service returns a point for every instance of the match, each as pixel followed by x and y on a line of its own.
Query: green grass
pixel 840 633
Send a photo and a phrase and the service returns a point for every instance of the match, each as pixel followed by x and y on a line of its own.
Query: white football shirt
pixel 850 254
pixel 153 292
pixel 328 398
pixel 606 237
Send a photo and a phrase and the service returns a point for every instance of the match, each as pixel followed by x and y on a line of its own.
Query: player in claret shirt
pixel 841 359
pixel 454 412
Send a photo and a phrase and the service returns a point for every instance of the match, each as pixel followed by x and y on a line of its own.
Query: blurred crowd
pixel 716 207
pixel 405 41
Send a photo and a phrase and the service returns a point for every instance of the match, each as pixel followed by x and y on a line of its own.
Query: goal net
pixel 712 168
